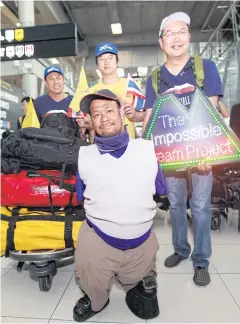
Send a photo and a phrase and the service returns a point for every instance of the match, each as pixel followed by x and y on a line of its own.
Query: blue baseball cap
pixel 51 69
pixel 106 47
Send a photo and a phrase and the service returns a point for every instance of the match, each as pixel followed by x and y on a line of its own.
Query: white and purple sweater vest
pixel 119 192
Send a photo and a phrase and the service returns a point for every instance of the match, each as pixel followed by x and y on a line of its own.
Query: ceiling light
pixel 120 72
pixel 18 24
pixel 222 7
pixel 54 60
pixel 116 29
pixel 1 4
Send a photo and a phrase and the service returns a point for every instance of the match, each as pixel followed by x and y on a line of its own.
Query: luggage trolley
pixel 42 264
pixel 225 193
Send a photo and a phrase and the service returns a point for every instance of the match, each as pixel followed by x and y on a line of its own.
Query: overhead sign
pixel 10 104
pixel 38 42
pixel 19 34
pixel 183 138
pixel 19 51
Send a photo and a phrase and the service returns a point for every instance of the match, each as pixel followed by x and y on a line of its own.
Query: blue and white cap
pixel 106 47
pixel 51 69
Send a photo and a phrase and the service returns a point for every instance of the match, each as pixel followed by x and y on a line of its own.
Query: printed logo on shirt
pixel 184 93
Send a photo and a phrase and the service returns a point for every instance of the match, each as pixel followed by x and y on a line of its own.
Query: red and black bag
pixel 41 188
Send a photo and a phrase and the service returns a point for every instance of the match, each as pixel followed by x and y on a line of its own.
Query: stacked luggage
pixel 33 229
pixel 39 209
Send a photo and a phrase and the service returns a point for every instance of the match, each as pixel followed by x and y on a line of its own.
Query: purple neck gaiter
pixel 111 144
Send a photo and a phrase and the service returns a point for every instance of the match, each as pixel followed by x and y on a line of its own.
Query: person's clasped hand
pixel 204 166
pixel 84 121
pixel 129 110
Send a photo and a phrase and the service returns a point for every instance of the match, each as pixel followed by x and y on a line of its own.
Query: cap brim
pixel 53 72
pixel 87 100
pixel 105 52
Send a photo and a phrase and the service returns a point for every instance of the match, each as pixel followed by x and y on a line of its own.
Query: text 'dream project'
pixel 183 138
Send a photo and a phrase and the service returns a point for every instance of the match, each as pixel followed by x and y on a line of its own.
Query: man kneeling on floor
pixel 117 179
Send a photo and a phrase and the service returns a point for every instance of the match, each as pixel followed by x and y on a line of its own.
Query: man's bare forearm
pixel 146 118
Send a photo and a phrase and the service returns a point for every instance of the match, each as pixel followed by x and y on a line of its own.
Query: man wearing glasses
pixel 178 71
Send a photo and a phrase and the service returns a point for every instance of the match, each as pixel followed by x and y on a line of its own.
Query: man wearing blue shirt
pixel 56 99
pixel 177 75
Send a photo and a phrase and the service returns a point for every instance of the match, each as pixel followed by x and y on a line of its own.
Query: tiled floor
pixel 180 300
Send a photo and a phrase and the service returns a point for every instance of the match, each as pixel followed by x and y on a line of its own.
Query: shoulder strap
pixel 198 70
pixel 10 231
pixel 156 79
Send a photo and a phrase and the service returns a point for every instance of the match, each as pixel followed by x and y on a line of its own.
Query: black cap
pixel 104 94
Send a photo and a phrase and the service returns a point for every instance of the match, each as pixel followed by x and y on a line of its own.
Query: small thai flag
pixel 138 98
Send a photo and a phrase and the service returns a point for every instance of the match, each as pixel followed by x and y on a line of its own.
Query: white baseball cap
pixel 176 16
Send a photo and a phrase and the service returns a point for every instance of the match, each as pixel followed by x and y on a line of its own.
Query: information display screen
pixel 10 102
pixel 39 42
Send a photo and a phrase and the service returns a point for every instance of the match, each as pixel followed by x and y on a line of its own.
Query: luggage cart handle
pixel 34 174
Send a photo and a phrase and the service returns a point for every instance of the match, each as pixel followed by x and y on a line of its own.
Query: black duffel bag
pixel 44 148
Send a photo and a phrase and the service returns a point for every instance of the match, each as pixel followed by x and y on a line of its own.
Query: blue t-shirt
pixel 45 103
pixel 212 85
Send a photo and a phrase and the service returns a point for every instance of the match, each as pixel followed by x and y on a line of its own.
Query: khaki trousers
pixel 97 263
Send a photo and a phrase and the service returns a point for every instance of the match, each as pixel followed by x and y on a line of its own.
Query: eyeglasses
pixel 180 33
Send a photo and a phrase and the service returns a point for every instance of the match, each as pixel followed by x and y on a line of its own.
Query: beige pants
pixel 97 263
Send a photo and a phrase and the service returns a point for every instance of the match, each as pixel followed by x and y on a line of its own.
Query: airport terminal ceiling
pixel 140 20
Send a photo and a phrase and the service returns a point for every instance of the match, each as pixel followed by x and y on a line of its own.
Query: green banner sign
pixel 183 138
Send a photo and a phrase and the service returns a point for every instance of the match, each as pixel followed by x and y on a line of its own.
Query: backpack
pixel 197 66
pixel 61 122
